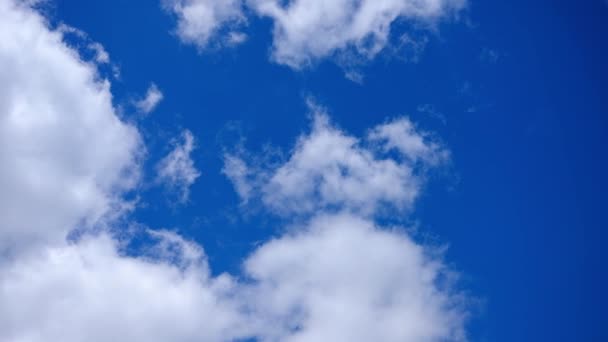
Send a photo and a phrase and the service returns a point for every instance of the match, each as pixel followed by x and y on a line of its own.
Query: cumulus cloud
pixel 343 279
pixel 205 22
pixel 90 292
pixel 153 97
pixel 362 27
pixel 352 30
pixel 329 168
pixel 66 161
pixel 177 170
pixel 64 152
pixel 340 276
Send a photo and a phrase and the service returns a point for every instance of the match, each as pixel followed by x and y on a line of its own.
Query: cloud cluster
pixel 339 275
pixel 67 160
pixel 329 169
pixel 306 31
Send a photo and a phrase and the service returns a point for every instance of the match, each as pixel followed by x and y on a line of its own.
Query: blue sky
pixel 515 91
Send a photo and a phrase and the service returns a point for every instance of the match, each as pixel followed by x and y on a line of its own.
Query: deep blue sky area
pixel 517 91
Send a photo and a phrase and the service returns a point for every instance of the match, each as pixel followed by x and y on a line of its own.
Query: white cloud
pixel 64 154
pixel 241 176
pixel 331 169
pixel 205 22
pixel 177 170
pixel 101 55
pixel 236 38
pixel 66 160
pixel 339 276
pixel 150 101
pixel 308 30
pixel 418 147
pixel 342 279
pixel 89 291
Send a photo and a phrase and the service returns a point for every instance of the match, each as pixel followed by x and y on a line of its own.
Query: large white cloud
pixel 64 153
pixel 66 160
pixel 343 279
pixel 90 292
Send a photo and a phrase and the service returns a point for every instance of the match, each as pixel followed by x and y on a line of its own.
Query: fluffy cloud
pixel 339 276
pixel 90 292
pixel 153 97
pixel 331 169
pixel 67 159
pixel 343 279
pixel 64 152
pixel 177 170
pixel 417 146
pixel 204 22
pixel 307 30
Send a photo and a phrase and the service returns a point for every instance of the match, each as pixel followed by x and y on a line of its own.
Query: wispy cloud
pixel 176 170
pixel 148 103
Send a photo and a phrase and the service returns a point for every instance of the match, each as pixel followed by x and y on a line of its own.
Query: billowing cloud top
pixel 343 279
pixel 64 152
